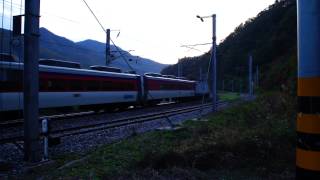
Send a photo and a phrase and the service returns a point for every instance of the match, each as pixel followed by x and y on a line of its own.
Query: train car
pixel 64 84
pixel 157 88
pixel 202 89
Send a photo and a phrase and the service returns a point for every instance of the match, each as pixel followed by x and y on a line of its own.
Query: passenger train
pixel 64 84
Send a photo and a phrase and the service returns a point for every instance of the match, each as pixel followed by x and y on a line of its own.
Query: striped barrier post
pixel 308 118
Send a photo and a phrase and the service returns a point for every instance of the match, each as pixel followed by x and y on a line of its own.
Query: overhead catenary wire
pixel 207 78
pixel 10 35
pixel 17 9
pixel 20 52
pixel 21 1
pixel 104 30
pixel 2 28
pixel 201 44
pixel 1 43
pixel 208 70
pixel 192 46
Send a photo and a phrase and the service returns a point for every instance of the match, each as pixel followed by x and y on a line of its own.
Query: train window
pixel 3 75
pixel 93 85
pixel 106 85
pixel 12 80
pixel 14 75
pixel 75 85
pixel 43 86
pixel 130 86
pixel 58 85
pixel 7 57
pixel 49 84
pixel 60 63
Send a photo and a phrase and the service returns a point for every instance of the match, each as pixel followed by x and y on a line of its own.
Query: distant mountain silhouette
pixel 94 45
pixel 87 53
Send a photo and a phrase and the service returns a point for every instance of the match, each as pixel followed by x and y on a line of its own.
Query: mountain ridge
pixel 88 52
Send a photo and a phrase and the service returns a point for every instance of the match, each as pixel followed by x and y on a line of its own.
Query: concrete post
pixel 308 119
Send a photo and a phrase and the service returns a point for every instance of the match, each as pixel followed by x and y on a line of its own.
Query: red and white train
pixel 64 84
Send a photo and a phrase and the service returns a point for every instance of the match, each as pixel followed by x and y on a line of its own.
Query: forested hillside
pixel 271 39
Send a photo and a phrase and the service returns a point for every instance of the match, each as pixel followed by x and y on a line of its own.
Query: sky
pixel 154 29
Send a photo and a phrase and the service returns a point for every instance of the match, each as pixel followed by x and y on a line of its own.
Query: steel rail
pixel 120 122
pixel 19 122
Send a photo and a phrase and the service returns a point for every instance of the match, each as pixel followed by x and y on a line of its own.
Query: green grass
pixel 250 141
pixel 228 96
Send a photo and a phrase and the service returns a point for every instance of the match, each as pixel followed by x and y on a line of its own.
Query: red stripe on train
pixel 169 85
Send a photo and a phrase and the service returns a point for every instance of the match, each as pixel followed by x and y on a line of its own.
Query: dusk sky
pixel 153 29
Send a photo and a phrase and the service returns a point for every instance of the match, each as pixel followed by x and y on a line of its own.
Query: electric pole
pixel 250 76
pixel 214 64
pixel 232 86
pixel 179 68
pixel 213 59
pixel 108 60
pixel 257 76
pixel 222 85
pixel 31 81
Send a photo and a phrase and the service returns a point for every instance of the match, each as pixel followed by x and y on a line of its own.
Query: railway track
pixel 119 122
pixel 19 122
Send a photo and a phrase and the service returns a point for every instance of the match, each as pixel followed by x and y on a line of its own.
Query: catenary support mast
pixel 31 81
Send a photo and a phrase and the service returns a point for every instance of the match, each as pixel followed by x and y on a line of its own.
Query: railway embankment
pixel 252 140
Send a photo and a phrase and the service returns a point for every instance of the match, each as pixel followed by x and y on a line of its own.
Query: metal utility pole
pixel 232 86
pixel 222 85
pixel 213 65
pixel 257 76
pixel 31 81
pixel 108 60
pixel 308 119
pixel 250 76
pixel 179 69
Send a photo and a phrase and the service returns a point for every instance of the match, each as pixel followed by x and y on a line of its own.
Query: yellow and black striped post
pixel 308 118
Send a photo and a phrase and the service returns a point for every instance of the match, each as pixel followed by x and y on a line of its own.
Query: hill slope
pixel 270 37
pixel 87 53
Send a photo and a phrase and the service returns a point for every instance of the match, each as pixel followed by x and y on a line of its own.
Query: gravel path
pixel 11 157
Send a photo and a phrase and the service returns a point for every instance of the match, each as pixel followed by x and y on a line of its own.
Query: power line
pixel 10 44
pixel 122 55
pixel 202 44
pixel 1 49
pixel 104 30
pixel 192 48
pixel 19 7
pixel 95 16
